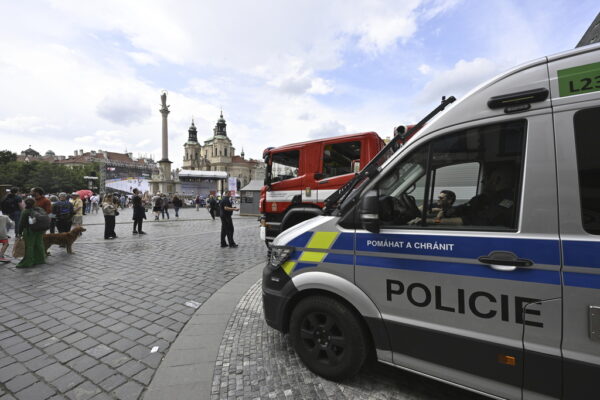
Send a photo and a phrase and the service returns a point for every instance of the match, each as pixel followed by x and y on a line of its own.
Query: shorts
pixel 157 209
pixel 78 220
pixel 3 240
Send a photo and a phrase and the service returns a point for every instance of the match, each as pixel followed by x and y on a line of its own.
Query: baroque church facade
pixel 218 154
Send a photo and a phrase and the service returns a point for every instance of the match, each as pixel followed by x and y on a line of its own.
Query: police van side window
pixel 466 180
pixel 587 143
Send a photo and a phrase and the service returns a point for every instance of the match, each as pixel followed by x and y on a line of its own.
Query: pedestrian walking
pixel 53 200
pixel 157 205
pixel 109 209
pixel 165 206
pixel 227 210
pixel 35 253
pixel 5 224
pixel 197 201
pixel 95 199
pixel 139 213
pixel 77 209
pixel 123 201
pixel 177 204
pixel 12 206
pixel 63 213
pixel 212 206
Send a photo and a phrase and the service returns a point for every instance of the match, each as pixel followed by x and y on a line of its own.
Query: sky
pixel 88 75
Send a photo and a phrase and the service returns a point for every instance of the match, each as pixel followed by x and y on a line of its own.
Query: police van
pixel 472 255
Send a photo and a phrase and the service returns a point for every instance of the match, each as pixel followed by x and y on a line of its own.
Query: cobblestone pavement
pixel 83 326
pixel 257 362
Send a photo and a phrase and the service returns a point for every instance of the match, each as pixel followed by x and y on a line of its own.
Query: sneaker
pixel 142 233
pixel 135 232
pixel 156 218
pixel 4 259
pixel 224 245
pixel 233 245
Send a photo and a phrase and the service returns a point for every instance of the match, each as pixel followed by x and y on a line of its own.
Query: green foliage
pixel 53 178
pixel 7 156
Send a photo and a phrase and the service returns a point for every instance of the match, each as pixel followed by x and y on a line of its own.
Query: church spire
pixel 242 153
pixel 221 126
pixel 193 133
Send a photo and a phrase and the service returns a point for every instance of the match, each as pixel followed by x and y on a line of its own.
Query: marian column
pixel 164 183
pixel 164 163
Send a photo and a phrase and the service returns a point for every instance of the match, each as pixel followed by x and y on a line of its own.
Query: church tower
pixel 192 150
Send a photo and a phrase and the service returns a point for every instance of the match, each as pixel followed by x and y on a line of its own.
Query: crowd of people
pixel 66 211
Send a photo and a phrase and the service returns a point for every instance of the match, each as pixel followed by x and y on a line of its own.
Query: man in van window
pixel 495 206
pixel 442 209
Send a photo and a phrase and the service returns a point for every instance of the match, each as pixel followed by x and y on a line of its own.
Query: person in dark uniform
pixel 226 222
pixel 494 207
pixel 212 206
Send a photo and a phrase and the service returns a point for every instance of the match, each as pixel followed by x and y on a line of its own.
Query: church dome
pixel 50 153
pixel 30 152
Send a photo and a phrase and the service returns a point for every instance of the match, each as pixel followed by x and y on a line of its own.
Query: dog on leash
pixel 64 239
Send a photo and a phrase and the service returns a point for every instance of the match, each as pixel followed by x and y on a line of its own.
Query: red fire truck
pixel 300 176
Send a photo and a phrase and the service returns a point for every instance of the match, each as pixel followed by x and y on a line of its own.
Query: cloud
pixel 123 110
pixel 458 80
pixel 143 58
pixel 328 129
pixel 424 69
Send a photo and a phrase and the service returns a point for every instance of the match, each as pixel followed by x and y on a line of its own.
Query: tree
pixel 7 156
pixel 53 178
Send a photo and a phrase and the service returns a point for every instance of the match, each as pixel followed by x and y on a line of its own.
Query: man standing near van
pixel 226 222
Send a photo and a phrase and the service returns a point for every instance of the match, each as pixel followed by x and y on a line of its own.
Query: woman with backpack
pixel 34 243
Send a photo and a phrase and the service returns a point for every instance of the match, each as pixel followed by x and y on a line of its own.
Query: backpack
pixel 10 205
pixel 39 221
pixel 64 210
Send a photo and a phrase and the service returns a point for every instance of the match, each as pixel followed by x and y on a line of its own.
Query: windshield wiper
pixel 372 168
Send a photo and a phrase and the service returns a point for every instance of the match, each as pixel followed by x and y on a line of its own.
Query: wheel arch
pixel 295 211
pixel 322 283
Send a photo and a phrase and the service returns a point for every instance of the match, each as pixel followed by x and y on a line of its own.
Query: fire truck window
pixel 339 158
pixel 285 165
pixel 587 143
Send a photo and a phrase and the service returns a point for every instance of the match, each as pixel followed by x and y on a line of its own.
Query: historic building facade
pixel 218 154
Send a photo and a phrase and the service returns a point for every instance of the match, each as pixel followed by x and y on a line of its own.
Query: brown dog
pixel 64 239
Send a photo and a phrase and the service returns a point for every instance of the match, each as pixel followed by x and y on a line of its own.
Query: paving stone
pixel 28 355
pixel 67 382
pixel 52 372
pixel 85 391
pixel 112 382
pixel 109 338
pixel 98 373
pixel 144 377
pixel 85 344
pixel 82 363
pixel 37 391
pixel 67 355
pixel 99 351
pixel 39 362
pixel 115 359
pixel 10 371
pixel 131 368
pixel 21 382
pixel 129 391
pixel 123 344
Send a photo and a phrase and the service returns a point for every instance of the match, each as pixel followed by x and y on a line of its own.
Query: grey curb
pixel 186 372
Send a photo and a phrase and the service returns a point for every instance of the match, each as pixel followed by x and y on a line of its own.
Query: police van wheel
pixel 328 337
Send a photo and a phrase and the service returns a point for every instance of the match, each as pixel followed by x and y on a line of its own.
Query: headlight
pixel 279 254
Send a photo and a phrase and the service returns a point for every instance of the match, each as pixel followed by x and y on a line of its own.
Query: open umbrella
pixel 84 193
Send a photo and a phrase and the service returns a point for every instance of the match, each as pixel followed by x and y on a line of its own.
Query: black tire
pixel 328 337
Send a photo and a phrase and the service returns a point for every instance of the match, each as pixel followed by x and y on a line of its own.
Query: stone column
pixel 165 127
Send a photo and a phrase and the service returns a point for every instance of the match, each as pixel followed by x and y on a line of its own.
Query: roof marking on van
pixel 579 80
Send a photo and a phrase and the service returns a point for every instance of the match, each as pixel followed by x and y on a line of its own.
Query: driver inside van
pixel 442 209
pixel 495 206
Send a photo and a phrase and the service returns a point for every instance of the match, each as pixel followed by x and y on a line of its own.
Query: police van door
pixel 576 101
pixel 467 256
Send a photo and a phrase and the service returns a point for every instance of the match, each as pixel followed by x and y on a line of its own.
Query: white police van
pixel 492 285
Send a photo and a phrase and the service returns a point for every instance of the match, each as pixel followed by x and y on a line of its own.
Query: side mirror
pixel 369 211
